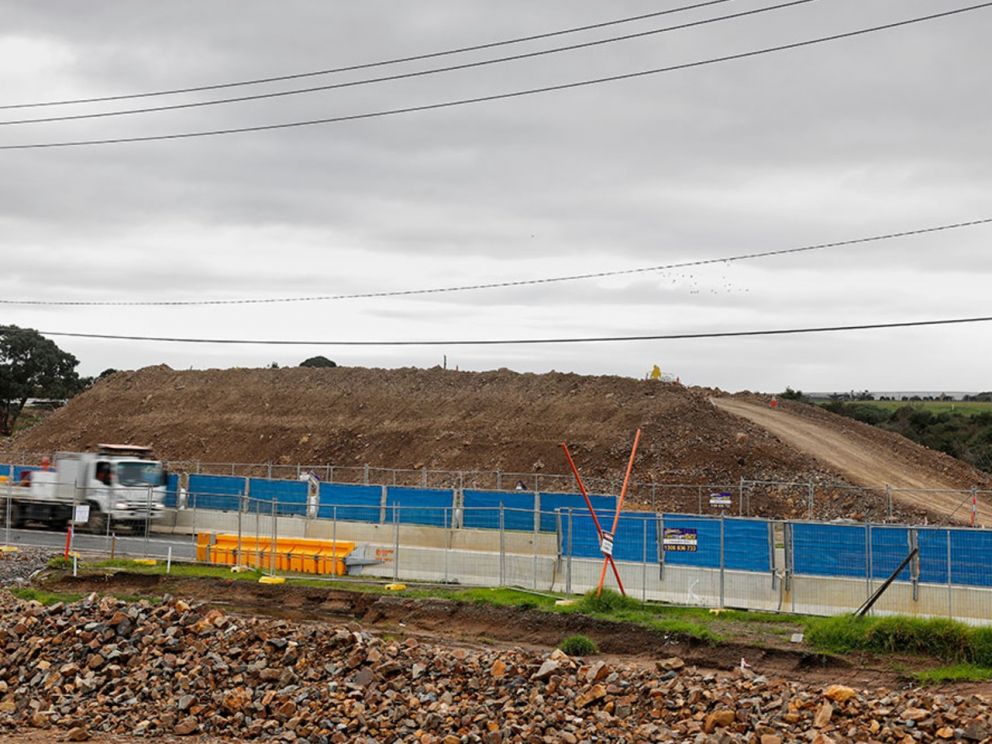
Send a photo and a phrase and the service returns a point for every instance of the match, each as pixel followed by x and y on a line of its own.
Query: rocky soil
pixel 101 667
pixel 18 566
pixel 436 419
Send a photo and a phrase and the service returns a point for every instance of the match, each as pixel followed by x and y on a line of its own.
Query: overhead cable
pixel 523 341
pixel 512 283
pixel 368 65
pixel 404 75
pixel 499 96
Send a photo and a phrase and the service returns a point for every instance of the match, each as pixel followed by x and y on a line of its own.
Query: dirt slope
pixel 865 454
pixel 413 418
pixel 448 420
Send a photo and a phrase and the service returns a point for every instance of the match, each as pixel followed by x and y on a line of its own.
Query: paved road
pixel 183 548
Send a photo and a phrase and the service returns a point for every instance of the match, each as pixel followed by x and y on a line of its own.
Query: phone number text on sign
pixel 680 540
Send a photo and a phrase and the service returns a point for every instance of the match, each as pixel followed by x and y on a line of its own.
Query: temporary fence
pixel 809 499
pixel 548 542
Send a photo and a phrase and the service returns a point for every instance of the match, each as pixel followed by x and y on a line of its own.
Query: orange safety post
pixel 595 519
pixel 616 517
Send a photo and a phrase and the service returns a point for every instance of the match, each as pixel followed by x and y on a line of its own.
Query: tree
pixel 318 361
pixel 31 366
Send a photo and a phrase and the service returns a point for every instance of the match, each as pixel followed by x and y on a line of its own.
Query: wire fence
pixel 483 539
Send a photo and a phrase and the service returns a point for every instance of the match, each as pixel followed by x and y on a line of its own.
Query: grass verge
pixel 947 640
pixel 953 673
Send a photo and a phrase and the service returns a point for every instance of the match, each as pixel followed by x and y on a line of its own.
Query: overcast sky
pixel 874 134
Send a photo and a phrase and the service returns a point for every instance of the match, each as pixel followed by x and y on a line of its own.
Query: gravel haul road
pixel 863 457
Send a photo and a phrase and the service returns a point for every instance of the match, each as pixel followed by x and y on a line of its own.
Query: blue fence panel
pixel 707 552
pixel 970 561
pixel 829 549
pixel 746 545
pixel 481 510
pixel 889 548
pixel 584 541
pixel 636 538
pixel 933 555
pixel 19 469
pixel 216 491
pixel 172 491
pixel 290 496
pixel 552 502
pixel 420 505
pixel 354 503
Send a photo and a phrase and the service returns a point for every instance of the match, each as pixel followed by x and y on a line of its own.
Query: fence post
pixel 533 540
pixel 568 559
pixel 888 502
pixel 950 592
pixel 699 501
pixel 334 531
pixel 869 567
pixel 148 516
pixel 447 544
pixel 502 545
pixel 396 542
pixel 241 508
pixel 740 510
pixel 499 481
pixel 10 495
pixel 365 474
pixel 644 563
pixel 974 506
pixel 722 555
pixel 423 477
pixel 809 496
pixel 272 554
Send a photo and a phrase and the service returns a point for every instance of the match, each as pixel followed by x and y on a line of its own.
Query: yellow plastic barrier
pixel 292 554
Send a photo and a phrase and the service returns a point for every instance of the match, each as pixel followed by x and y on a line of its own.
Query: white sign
pixel 721 499
pixel 82 513
pixel 606 545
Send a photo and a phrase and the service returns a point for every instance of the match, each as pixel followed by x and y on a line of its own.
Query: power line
pixel 514 283
pixel 530 341
pixel 500 96
pixel 405 75
pixel 368 65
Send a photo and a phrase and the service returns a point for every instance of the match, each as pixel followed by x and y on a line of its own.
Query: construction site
pixel 459 556
pixel 433 373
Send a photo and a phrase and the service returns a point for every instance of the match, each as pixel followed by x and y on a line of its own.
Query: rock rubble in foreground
pixel 101 666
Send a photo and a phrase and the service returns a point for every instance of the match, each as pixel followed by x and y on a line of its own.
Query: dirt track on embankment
pixel 865 455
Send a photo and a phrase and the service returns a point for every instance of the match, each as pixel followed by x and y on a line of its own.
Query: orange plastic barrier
pixel 292 554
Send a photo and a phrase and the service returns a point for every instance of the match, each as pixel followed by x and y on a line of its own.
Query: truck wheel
pixel 97 523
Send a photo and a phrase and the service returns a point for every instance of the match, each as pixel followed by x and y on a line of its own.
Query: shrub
pixel 579 645
pixel 59 562
pixel 609 602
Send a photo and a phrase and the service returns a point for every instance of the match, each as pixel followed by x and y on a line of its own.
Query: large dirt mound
pixel 447 420
pixel 415 418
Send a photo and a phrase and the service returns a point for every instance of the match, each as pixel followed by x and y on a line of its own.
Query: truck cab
pixel 120 483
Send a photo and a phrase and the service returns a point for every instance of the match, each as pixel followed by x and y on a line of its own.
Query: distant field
pixel 934 406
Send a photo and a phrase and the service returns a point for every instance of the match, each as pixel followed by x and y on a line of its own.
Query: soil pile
pixel 477 421
pixel 107 667
pixel 416 418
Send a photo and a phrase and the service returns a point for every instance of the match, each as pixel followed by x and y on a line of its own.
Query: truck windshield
pixel 139 473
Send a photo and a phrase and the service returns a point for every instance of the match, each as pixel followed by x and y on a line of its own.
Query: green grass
pixel 947 640
pixel 969 408
pixel 953 673
pixel 579 645
pixel 46 598
pixel 693 622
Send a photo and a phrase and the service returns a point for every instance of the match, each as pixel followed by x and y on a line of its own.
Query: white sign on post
pixel 606 546
pixel 81 513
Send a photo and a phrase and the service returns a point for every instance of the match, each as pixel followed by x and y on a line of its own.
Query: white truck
pixel 118 485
